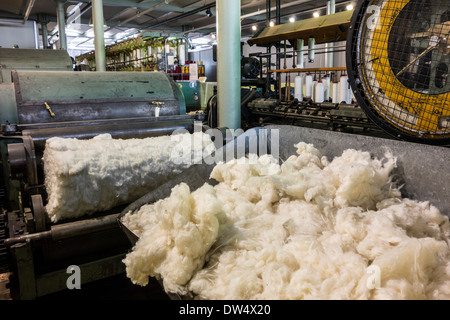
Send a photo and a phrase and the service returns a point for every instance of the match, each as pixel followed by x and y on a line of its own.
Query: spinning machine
pixel 397 66
pixel 39 105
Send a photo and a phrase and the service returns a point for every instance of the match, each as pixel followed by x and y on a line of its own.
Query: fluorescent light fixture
pixel 350 7
pixel 291 19
pixel 254 27
pixel 271 24
pixel 316 14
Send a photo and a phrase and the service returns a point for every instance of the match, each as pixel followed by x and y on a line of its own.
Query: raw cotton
pixel 318 229
pixel 87 176
pixel 174 236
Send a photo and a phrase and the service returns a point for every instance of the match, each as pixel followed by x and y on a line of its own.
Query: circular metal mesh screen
pixel 399 61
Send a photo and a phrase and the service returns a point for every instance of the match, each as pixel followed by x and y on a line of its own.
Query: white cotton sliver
pixel 87 176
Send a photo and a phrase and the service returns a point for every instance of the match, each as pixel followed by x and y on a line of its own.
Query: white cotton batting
pixel 312 228
pixel 87 176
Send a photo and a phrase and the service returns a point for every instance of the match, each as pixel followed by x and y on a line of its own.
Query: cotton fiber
pixel 174 236
pixel 87 176
pixel 310 228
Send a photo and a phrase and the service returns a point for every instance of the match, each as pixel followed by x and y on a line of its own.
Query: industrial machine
pixel 32 59
pixel 38 105
pixel 290 95
pixel 397 66
pixel 341 117
pixel 398 57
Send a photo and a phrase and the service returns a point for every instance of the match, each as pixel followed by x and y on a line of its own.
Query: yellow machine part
pixel 424 108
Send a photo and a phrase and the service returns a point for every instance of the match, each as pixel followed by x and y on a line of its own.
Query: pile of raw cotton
pixel 306 229
pixel 87 176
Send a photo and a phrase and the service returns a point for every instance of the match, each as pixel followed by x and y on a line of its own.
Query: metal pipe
pixel 228 63
pixel 278 49
pixel 68 230
pixel 28 237
pixel 331 9
pixel 44 35
pixel 75 8
pixel 61 24
pixel 138 130
pixel 79 228
pixel 75 16
pixel 98 20
pixel 27 13
pixel 269 48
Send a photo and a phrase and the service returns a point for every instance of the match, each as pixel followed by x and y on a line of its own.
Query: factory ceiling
pixel 127 18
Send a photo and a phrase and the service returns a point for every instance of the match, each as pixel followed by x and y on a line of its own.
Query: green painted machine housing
pixel 93 96
pixel 192 93
pixel 197 93
pixel 32 59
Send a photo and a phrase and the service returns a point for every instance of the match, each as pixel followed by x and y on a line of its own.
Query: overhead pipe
pixel 99 33
pixel 29 8
pixel 75 16
pixel 229 63
pixel 61 24
pixel 74 9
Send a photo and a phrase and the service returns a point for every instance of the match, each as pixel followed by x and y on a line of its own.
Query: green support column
pixel 99 32
pixel 61 24
pixel 229 63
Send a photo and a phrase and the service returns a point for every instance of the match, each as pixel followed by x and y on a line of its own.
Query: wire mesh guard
pixel 398 60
